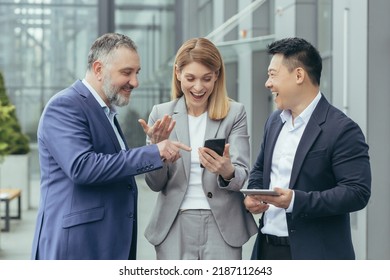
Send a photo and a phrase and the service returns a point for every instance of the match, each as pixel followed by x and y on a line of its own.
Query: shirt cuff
pixel 291 206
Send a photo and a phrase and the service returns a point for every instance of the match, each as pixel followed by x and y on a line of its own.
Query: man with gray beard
pixel 88 203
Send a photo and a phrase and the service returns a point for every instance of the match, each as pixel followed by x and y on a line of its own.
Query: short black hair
pixel 299 53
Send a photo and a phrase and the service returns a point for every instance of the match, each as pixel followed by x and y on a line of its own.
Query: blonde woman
pixel 199 213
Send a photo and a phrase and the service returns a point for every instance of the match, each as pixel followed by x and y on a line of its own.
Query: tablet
pixel 259 191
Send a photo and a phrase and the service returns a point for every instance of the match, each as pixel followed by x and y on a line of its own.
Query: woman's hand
pixel 160 130
pixel 217 164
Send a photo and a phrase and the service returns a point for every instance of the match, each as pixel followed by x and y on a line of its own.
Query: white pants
pixel 195 236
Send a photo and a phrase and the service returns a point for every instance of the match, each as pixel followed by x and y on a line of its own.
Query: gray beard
pixel 113 95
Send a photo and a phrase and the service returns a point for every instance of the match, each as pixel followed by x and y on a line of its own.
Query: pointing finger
pixel 182 146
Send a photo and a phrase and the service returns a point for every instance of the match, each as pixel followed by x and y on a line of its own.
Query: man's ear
pixel 97 69
pixel 300 75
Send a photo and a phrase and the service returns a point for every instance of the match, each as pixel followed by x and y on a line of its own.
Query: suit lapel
pixel 273 133
pixel 182 133
pixel 312 131
pixel 212 128
pixel 120 132
pixel 180 115
pixel 211 132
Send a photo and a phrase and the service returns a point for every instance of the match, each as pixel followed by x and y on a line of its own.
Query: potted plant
pixel 14 148
pixel 16 142
pixel 5 112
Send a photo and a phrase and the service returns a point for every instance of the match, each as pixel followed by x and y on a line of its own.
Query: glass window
pixel 151 25
pixel 44 51
pixel 205 17
pixel 324 31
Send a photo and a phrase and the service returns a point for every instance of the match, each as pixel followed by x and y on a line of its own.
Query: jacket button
pixel 209 195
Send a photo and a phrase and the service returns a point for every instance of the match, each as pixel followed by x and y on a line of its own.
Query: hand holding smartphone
pixel 216 144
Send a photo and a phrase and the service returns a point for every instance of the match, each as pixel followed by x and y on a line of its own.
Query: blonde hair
pixel 203 51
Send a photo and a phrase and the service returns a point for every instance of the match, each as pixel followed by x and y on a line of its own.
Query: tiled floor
pixel 16 244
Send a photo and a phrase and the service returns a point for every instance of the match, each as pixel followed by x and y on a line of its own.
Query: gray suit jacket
pixel 226 201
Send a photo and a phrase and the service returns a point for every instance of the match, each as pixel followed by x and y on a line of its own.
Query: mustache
pixel 131 87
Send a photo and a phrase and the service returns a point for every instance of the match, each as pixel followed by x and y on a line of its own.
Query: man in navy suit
pixel 88 203
pixel 314 156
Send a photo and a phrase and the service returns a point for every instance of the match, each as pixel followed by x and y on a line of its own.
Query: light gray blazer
pixel 226 201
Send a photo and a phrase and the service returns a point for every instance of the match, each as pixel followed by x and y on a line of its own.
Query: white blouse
pixel 195 197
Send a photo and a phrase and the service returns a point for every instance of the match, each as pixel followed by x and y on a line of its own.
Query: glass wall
pixel 151 24
pixel 45 44
pixel 43 49
pixel 324 31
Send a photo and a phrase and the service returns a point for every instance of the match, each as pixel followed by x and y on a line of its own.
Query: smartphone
pixel 216 144
pixel 259 191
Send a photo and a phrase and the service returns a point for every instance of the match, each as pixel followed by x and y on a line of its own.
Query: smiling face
pixel 283 84
pixel 119 76
pixel 197 83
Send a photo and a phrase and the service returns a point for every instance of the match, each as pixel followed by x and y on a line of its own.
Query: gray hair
pixel 106 44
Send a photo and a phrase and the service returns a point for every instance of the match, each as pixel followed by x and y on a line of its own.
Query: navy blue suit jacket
pixel 88 204
pixel 331 177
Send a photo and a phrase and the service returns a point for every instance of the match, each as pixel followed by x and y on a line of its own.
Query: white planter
pixel 14 174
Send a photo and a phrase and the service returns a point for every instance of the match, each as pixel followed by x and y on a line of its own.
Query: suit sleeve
pixel 348 178
pixel 67 135
pixel 157 179
pixel 238 139
pixel 256 174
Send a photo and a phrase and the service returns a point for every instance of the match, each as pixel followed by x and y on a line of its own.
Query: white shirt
pixel 282 162
pixel 110 113
pixel 195 197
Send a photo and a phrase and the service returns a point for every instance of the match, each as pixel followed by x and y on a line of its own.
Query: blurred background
pixel 44 46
